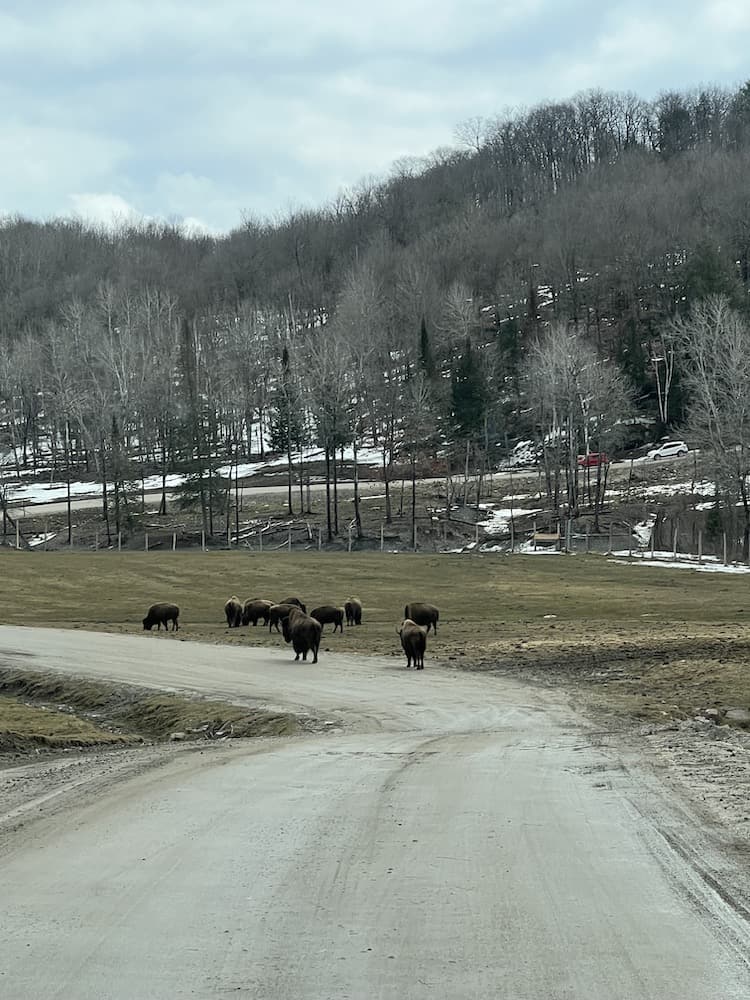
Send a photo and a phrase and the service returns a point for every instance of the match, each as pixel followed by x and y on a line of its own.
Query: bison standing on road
pixel 327 614
pixel 303 631
pixel 413 642
pixel 423 614
pixel 255 608
pixel 162 614
pixel 233 611
pixel 353 610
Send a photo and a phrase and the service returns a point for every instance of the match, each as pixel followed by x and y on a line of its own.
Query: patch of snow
pixel 499 520
pixel 644 529
pixel 527 548
pixel 684 560
pixel 36 540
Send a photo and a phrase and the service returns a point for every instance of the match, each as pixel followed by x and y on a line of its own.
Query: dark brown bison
pixel 294 600
pixel 162 614
pixel 353 611
pixel 277 613
pixel 327 614
pixel 233 611
pixel 423 614
pixel 303 631
pixel 255 608
pixel 413 642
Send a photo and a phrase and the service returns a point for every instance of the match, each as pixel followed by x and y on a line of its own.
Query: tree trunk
pixel 387 485
pixel 357 514
pixel 328 494
pixel 163 504
pixel 289 478
pixel 414 502
pixel 335 494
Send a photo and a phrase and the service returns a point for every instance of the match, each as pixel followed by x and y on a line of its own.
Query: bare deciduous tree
pixel 714 341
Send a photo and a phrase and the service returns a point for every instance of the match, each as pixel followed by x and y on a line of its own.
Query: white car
pixel 669 449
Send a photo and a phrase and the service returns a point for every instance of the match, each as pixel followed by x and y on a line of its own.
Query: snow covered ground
pixel 39 493
pixel 666 560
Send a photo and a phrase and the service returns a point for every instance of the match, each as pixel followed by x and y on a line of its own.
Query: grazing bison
pixel 294 600
pixel 413 642
pixel 327 614
pixel 277 613
pixel 255 608
pixel 162 614
pixel 353 610
pixel 423 614
pixel 233 611
pixel 303 631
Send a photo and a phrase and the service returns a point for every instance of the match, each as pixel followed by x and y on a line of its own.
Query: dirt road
pixel 450 836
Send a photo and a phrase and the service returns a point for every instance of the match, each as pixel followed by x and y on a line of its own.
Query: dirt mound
pixel 42 711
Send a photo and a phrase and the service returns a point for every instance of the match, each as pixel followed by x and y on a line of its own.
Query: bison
pixel 162 614
pixel 353 611
pixel 327 614
pixel 423 614
pixel 294 600
pixel 413 642
pixel 303 631
pixel 255 608
pixel 233 611
pixel 277 613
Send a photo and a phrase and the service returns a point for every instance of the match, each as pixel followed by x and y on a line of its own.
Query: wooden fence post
pixel 533 533
pixel 320 538
pixel 203 540
pixel 609 550
pixel 119 541
pixel 725 547
pixel 18 534
pixel 588 539
pixel 174 540
pixel 700 547
pixel 145 541
pixel 512 536
pixel 349 542
pixel 381 537
pixel 674 544
pixel 260 539
pixel 96 542
pixel 289 540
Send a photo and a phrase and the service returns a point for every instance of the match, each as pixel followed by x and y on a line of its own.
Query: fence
pixel 433 533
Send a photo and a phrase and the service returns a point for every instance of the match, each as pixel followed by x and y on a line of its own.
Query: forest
pixel 575 274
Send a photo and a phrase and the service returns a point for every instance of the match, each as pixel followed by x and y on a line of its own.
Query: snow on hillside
pixel 39 493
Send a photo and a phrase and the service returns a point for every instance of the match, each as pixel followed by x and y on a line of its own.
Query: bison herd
pixel 302 630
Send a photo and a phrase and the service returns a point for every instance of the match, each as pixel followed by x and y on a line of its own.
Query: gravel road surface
pixel 451 836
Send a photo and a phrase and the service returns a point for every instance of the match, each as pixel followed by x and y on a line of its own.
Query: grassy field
pixel 641 640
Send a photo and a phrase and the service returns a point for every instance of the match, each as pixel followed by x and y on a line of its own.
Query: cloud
pixel 104 209
pixel 183 110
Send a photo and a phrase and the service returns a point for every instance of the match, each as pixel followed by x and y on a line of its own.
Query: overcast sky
pixel 207 112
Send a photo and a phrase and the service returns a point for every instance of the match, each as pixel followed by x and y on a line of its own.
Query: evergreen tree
pixel 426 360
pixel 468 395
